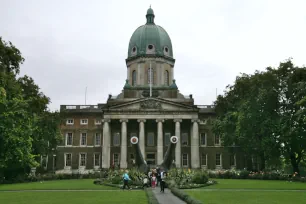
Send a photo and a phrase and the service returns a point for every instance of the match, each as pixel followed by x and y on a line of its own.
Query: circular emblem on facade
pixel 174 139
pixel 134 140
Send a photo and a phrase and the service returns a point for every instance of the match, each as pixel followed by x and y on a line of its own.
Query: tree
pixel 27 128
pixel 264 114
pixel 292 131
pixel 245 116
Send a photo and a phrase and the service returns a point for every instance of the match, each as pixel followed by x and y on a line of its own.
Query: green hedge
pixel 184 196
pixel 151 197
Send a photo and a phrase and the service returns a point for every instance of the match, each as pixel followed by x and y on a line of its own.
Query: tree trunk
pixel 294 164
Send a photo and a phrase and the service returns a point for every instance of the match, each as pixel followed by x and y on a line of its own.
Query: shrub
pixel 184 196
pixel 200 178
pixel 151 197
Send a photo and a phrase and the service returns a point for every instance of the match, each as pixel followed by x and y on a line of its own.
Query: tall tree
pixel 27 128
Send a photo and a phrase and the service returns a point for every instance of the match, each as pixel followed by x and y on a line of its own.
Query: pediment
pixel 153 104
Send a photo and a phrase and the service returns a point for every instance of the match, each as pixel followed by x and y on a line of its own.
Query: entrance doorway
pixel 151 160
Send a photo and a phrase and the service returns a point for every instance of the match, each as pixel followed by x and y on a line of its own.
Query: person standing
pixel 126 180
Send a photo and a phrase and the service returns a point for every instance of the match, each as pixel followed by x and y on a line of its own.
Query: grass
pixel 109 197
pixel 257 184
pixel 61 197
pixel 77 184
pixel 227 191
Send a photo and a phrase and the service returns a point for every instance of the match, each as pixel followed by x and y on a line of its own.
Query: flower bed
pixel 244 174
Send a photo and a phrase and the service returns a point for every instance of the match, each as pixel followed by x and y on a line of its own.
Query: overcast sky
pixel 71 44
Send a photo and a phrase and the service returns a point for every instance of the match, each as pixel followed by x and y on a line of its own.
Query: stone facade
pixel 149 107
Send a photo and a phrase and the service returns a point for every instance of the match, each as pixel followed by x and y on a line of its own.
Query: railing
pixel 206 106
pixel 76 107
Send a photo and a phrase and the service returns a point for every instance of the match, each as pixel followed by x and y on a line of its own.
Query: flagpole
pixel 85 94
pixel 150 80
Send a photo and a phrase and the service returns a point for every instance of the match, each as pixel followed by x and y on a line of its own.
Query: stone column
pixel 106 144
pixel 123 153
pixel 195 153
pixel 160 147
pixel 142 136
pixel 178 144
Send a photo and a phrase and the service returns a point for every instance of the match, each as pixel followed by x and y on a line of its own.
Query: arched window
pixel 167 78
pixel 134 78
pixel 150 75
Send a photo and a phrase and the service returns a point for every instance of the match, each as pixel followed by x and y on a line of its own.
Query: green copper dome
pixel 150 40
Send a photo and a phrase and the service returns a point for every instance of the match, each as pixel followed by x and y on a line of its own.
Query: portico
pixel 150 140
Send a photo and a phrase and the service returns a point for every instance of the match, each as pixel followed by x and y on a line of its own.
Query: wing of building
pixel 151 107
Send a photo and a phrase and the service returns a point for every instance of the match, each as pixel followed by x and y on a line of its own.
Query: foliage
pixel 184 196
pixel 264 114
pixel 200 178
pixel 244 174
pixel 27 129
pixel 151 197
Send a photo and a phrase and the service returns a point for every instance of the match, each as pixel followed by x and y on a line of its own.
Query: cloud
pixel 73 44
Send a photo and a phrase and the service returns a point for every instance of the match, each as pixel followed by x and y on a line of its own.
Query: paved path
pixel 167 197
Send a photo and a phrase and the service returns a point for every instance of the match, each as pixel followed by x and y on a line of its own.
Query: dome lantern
pixel 150 16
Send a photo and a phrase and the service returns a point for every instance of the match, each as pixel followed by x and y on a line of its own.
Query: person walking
pixel 126 180
pixel 163 176
pixel 153 181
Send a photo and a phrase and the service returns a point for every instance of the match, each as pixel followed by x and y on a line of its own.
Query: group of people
pixel 152 179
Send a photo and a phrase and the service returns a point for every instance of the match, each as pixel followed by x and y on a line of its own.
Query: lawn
pixel 124 197
pixel 257 184
pixel 74 184
pixel 110 195
pixel 253 192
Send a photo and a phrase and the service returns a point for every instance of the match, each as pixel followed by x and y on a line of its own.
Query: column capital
pixel 141 120
pixel 160 120
pixel 124 120
pixel 177 120
pixel 106 120
pixel 195 120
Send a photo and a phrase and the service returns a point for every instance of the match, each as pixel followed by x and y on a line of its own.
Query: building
pixel 150 107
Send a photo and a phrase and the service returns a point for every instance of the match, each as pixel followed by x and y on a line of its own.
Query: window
pixel 185 160
pixel 150 47
pixel 69 139
pixel 134 78
pixel 84 121
pixel 185 139
pixel 150 139
pixel 98 139
pixel 68 159
pixel 203 139
pixel 218 159
pixel 116 159
pixel 83 138
pixel 167 139
pixel 116 139
pixel 44 161
pixel 97 159
pixel 217 140
pixel 133 134
pixel 70 122
pixel 203 159
pixel 166 78
pixel 233 160
pixel 150 75
pixel 98 122
pixel 82 159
